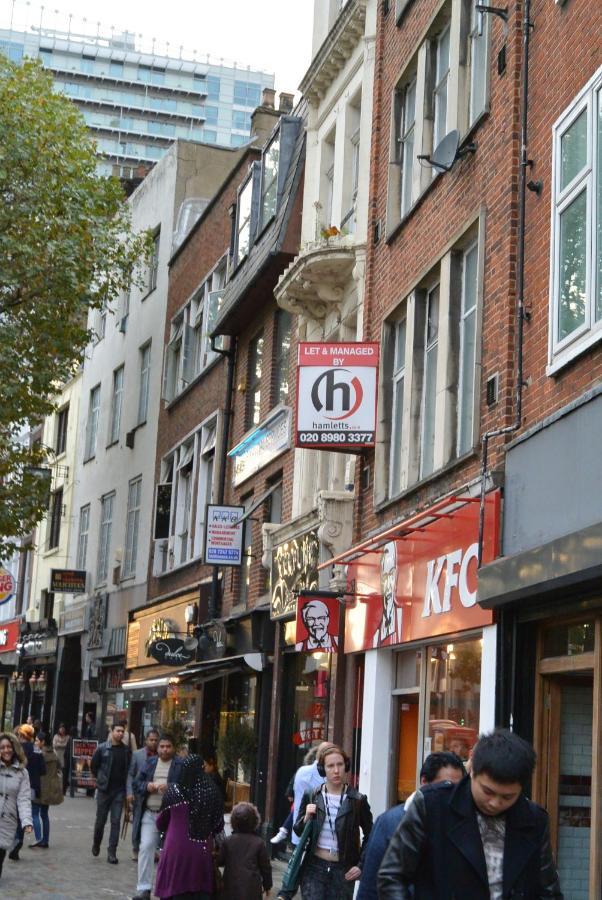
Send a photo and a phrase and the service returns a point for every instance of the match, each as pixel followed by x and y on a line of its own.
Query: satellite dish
pixel 448 151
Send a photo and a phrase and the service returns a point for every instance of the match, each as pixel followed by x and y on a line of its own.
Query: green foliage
pixel 66 246
pixel 238 746
pixel 177 729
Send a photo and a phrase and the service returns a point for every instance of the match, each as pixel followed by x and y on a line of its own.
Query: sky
pixel 271 35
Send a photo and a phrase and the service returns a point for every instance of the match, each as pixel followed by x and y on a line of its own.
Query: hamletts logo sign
pixel 336 396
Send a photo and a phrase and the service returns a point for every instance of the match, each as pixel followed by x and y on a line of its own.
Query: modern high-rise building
pixel 136 95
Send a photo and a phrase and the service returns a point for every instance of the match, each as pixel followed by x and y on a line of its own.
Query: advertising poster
pixel 82 752
pixel 223 535
pixel 317 623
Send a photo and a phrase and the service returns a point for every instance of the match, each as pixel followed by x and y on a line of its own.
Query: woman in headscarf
pixel 192 814
pixel 15 795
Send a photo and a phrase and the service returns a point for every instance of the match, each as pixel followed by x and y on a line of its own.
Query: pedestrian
pixel 440 766
pixel 60 743
pixel 191 817
pixel 480 838
pixel 150 784
pixel 51 793
pixel 307 778
pixel 284 832
pixel 35 769
pixel 247 868
pixel 128 738
pixel 109 766
pixel 15 798
pixel 37 727
pixel 211 769
pixel 89 727
pixel 73 736
pixel 338 812
pixel 134 802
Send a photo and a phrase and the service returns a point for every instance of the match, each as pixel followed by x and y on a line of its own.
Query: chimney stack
pixel 268 96
pixel 285 102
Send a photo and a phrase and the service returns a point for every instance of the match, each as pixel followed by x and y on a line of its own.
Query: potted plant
pixel 238 747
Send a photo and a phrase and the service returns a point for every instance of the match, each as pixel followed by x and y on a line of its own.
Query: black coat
pixel 437 849
pixel 354 813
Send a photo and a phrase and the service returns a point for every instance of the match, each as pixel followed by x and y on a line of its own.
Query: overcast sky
pixel 273 35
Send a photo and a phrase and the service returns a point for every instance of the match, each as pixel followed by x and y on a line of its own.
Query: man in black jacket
pixel 480 839
pixel 109 766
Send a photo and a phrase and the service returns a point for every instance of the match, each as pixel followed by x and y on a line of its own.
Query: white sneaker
pixel 281 836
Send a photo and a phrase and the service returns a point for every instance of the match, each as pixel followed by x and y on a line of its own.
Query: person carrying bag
pixel 292 876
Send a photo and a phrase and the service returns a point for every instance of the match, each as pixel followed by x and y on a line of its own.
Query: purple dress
pixel 185 866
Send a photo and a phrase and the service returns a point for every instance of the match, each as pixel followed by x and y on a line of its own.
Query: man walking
pixel 139 757
pixel 109 766
pixel 149 786
pixel 480 839
pixel 437 767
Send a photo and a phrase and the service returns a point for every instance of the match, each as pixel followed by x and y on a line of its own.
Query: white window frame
pixel 397 407
pixel 132 527
pixel 466 396
pixel 92 423
pixel 441 86
pixel 562 351
pixel 266 186
pixel 107 503
pixel 430 359
pixel 478 37
pixel 82 537
pixel 349 219
pixel 153 263
pixel 245 191
pixel 117 403
pixel 405 150
pixel 144 390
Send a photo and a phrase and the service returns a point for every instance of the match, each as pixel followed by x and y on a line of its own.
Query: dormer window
pixel 243 221
pixel 269 180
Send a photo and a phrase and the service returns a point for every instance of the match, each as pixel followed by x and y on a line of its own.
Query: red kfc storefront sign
pixel 424 582
pixel 9 635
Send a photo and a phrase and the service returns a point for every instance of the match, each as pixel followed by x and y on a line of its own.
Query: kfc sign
pixel 424 583
pixel 317 628
pixel 9 635
pixel 336 396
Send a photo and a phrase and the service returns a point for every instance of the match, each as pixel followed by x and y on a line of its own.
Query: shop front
pixel 35 676
pixel 9 636
pixel 429 651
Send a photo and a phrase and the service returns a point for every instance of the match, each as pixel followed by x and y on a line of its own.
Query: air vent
pixel 493 389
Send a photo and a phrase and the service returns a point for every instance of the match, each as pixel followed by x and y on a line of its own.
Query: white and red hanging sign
pixel 336 396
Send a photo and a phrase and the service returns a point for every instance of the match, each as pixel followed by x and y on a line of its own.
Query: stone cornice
pixel 336 50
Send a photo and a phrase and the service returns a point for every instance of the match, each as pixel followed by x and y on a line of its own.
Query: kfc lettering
pixel 456 566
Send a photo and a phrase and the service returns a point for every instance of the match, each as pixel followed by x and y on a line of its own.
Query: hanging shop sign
pixel 97 621
pixel 336 396
pixel 68 581
pixel 317 623
pixel 81 757
pixel 7 586
pixel 171 652
pixel 261 446
pixel 224 535
pixel 9 635
pixel 294 568
pixel 424 583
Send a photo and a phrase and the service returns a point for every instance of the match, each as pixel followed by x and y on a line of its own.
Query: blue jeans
pixel 41 822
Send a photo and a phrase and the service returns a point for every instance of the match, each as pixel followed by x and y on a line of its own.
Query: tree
pixel 66 246
pixel 238 748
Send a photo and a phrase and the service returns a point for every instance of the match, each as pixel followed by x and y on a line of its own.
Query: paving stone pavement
pixel 67 870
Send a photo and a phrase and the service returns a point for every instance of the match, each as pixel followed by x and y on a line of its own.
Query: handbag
pixel 292 876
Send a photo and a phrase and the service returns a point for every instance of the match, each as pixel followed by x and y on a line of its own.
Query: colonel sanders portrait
pixel 316 618
pixel 389 630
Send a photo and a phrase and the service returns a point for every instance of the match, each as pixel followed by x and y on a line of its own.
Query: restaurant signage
pixel 68 581
pixel 7 586
pixel 9 635
pixel 423 584
pixel 294 568
pixel 336 396
pixel 223 535
pixel 261 446
pixel 317 622
pixel 171 652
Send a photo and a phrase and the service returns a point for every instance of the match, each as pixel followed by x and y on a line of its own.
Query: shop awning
pixel 250 662
pixel 148 683
pixel 408 527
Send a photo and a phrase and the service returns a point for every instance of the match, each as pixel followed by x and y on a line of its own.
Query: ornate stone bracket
pixel 335 513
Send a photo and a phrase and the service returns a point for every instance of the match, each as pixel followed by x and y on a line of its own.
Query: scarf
pixel 198 791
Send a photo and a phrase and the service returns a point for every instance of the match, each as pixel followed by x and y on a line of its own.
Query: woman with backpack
pixel 338 812
pixel 51 793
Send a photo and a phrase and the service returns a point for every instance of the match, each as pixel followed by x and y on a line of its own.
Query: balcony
pixel 315 283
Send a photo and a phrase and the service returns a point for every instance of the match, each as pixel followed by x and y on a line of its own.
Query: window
pixel 145 368
pixel 576 283
pixel 54 525
pixel 254 361
pixel 399 370
pixel 132 526
pixel 82 537
pixel 282 346
pixel 269 180
pixel 247 93
pixel 92 423
pixel 213 87
pixel 209 136
pixel 406 145
pixel 104 541
pixel 237 140
pixel 478 42
pixel 428 381
pixel 441 83
pixel 62 420
pixel 172 380
pixel 241 120
pixel 116 69
pixel 153 263
pixel 243 221
pixel 211 115
pixel 101 323
pixel 348 220
pixel 247 553
pixel 116 405
pixel 206 445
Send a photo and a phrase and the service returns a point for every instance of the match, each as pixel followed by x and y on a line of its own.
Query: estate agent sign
pixel 223 535
pixel 336 396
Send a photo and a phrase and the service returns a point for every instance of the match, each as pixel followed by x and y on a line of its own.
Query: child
pixel 247 869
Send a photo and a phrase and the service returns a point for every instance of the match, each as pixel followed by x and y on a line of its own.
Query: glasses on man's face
pixel 312 621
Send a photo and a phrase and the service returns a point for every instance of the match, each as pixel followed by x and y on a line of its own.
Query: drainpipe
pixel 521 314
pixel 230 356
